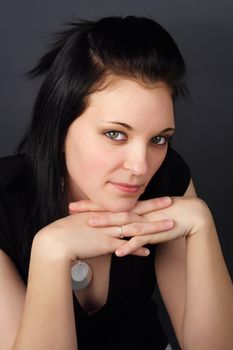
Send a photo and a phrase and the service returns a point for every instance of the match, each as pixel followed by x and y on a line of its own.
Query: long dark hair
pixel 75 66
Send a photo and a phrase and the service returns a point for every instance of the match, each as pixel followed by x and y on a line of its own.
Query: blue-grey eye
pixel 115 135
pixel 159 140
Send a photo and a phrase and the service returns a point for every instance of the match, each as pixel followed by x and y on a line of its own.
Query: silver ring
pixel 120 231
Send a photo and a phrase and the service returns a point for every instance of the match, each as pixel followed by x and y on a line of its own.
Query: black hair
pixel 76 65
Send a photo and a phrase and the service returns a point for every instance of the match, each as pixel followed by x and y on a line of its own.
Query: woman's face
pixel 114 148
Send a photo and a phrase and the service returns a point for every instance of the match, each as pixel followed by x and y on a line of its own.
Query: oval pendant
pixel 81 275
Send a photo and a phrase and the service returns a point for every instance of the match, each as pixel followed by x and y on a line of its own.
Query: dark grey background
pixel 204 32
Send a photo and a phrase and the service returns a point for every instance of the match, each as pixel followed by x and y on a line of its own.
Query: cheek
pixel 85 159
pixel 95 164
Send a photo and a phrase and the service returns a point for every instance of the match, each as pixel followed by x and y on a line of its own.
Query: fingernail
pixel 120 252
pixel 146 251
pixel 168 223
pixel 166 200
pixel 73 205
pixel 94 221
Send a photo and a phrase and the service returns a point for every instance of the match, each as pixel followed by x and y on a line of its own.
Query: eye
pixel 115 135
pixel 160 140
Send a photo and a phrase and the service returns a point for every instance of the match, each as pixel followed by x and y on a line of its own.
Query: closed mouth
pixel 125 187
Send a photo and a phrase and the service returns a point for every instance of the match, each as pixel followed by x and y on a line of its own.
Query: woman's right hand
pixel 72 238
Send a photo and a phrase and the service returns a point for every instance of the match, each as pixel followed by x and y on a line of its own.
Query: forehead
pixel 133 101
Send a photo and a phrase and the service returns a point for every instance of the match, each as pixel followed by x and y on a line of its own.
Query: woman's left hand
pixel 189 215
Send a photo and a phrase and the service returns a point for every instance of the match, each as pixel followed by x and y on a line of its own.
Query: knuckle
pixel 158 201
pixel 156 226
pixel 137 240
pixel 105 218
pixel 98 216
pixel 152 240
pixel 137 228
pixel 127 216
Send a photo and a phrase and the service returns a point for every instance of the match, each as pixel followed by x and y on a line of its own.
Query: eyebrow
pixel 129 127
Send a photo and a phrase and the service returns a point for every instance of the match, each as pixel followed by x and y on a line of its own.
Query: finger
pixel 84 206
pixel 112 219
pixel 145 228
pixel 137 229
pixel 118 243
pixel 143 207
pixel 141 252
pixel 131 246
pixel 138 241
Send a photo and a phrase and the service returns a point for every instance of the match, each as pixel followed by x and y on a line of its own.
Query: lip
pixel 128 188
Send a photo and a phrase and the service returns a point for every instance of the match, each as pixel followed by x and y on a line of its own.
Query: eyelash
pixel 166 138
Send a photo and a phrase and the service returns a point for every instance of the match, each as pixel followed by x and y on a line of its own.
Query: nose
pixel 136 161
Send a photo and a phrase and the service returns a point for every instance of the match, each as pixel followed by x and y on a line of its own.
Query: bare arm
pixel 170 267
pixel 197 289
pixel 48 317
pixel 191 272
pixel 12 296
pixel 208 316
pixel 170 274
pixel 45 319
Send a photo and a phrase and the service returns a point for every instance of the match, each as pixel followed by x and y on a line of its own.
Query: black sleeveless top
pixel 129 318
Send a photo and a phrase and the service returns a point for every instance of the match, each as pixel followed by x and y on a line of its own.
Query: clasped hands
pixel 149 222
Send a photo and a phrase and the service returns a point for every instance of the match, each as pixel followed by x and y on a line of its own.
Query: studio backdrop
pixel 203 31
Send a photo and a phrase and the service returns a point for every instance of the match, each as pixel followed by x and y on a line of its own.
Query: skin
pixel 189 264
pixel 99 152
pixel 189 217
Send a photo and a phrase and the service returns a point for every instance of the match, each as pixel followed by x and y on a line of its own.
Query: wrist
pixel 203 221
pixel 202 218
pixel 46 248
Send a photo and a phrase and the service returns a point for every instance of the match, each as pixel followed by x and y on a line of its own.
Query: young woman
pixel 96 207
